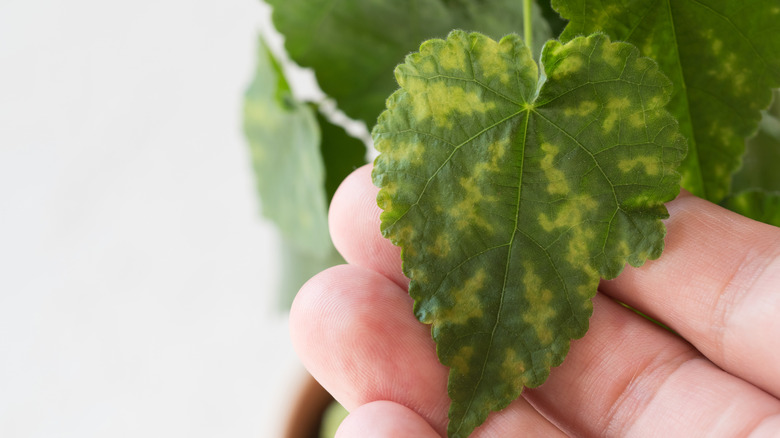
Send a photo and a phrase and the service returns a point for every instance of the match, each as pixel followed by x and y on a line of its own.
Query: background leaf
pixel 760 205
pixel 509 201
pixel 761 163
pixel 341 154
pixel 353 45
pixel 721 56
pixel 287 154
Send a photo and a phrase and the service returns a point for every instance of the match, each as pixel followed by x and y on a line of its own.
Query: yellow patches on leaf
pixel 637 120
pixel 512 370
pixel 657 101
pixel 403 153
pixel 466 301
pixel 496 151
pixel 441 246
pixel 418 275
pixel 466 212
pixel 459 364
pixel 428 67
pixel 717 45
pixel 585 108
pixel 578 251
pixel 453 57
pixel 588 288
pixel 572 63
pixel 557 184
pixel 539 311
pixel 611 54
pixel 569 213
pixel 491 58
pixel 650 165
pixel 406 237
pixel 385 197
pixel 615 108
pixel 437 100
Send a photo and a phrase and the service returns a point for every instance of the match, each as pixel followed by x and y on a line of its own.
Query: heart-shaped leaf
pixel 510 194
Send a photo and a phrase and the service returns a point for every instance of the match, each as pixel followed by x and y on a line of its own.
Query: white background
pixel 137 277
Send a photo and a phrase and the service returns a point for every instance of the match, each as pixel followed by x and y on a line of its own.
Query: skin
pixel 717 286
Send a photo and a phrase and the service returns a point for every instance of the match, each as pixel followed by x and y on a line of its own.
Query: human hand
pixel 717 285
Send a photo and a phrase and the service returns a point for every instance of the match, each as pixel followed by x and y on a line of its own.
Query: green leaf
pixel 297 267
pixel 761 162
pixel 721 56
pixel 759 205
pixel 511 193
pixel 284 141
pixel 353 45
pixel 557 24
pixel 341 154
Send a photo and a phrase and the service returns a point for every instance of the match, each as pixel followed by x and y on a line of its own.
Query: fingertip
pixel 354 227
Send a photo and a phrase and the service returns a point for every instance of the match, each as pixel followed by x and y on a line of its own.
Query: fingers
pixel 355 332
pixel 354 227
pixel 384 419
pixel 718 285
pixel 628 376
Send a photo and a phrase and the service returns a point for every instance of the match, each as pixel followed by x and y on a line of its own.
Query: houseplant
pixel 729 52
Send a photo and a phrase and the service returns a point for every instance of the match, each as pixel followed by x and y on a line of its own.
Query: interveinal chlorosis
pixel 511 188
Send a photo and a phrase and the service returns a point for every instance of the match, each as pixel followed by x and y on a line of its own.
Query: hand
pixel 717 285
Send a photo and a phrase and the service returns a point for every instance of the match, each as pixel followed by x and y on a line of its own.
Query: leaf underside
pixel 510 203
pixel 721 56
pixel 353 45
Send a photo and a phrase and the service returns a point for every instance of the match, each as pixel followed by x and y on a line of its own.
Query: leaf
pixel 761 162
pixel 297 267
pixel 510 194
pixel 556 23
pixel 299 158
pixel 759 205
pixel 721 56
pixel 341 154
pixel 284 141
pixel 354 45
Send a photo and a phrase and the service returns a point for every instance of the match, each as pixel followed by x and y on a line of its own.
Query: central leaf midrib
pixel 506 269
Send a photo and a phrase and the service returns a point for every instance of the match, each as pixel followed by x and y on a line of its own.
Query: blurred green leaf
pixel 721 56
pixel 341 154
pixel 760 205
pixel 761 162
pixel 353 45
pixel 299 158
pixel 284 141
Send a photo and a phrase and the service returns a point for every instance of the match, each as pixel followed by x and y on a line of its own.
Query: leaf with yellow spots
pixel 354 45
pixel 760 205
pixel 721 56
pixel 512 192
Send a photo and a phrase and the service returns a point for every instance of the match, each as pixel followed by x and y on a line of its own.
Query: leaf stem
pixel 527 23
